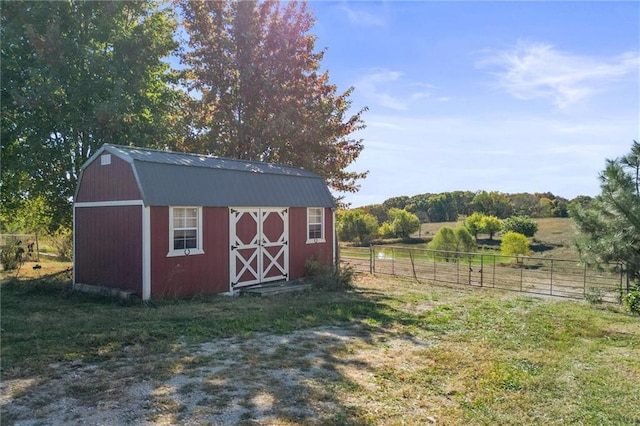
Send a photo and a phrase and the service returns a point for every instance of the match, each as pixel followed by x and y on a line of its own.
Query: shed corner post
pixel 146 252
pixel 336 258
pixel 73 252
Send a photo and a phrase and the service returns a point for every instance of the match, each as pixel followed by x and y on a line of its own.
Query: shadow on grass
pixel 206 359
pixel 542 247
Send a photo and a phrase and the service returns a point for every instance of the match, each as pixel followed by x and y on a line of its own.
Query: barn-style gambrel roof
pixel 168 178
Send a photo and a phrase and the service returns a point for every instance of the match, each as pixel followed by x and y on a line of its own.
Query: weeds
pixel 328 277
pixel 631 301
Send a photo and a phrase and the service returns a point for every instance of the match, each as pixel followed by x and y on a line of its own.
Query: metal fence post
pixel 371 268
pixel 481 270
pixel 393 261
pixel 434 267
pixel 494 270
pixel 373 258
pixel 551 280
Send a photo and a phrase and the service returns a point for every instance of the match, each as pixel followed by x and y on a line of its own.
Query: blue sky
pixel 497 96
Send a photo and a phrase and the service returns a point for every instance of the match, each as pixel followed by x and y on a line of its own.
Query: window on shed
pixel 315 225
pixel 185 235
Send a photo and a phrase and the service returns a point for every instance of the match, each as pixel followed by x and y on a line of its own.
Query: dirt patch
pixel 267 379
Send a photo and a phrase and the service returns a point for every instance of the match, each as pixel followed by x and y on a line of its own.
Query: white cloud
pixel 539 71
pixel 361 17
pixel 373 86
pixel 390 89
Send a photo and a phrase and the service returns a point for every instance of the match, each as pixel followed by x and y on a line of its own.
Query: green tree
pixel 403 223
pixel 74 76
pixel 493 203
pixel 610 225
pixel 473 223
pixel 453 241
pixel 521 224
pixel 261 92
pixel 356 225
pixel 490 225
pixel 399 202
pixel 525 204
pixel 480 223
pixel 465 242
pixel 514 244
pixel 444 241
pixel 386 230
pixel 376 210
pixel 34 215
pixel 442 208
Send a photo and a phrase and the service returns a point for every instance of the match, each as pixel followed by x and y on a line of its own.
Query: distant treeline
pixel 448 206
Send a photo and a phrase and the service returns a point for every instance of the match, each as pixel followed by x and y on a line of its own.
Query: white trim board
pixel 117 203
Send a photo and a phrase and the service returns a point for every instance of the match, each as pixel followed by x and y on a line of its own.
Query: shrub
pixel 514 244
pixel 521 224
pixel 11 256
pixel 62 240
pixel 631 301
pixel 594 295
pixel 325 277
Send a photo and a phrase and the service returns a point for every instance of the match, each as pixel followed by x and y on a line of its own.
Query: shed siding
pixel 112 182
pixel 108 249
pixel 300 251
pixel 195 274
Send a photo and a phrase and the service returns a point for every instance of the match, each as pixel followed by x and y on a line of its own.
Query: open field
pixel 554 237
pixel 386 352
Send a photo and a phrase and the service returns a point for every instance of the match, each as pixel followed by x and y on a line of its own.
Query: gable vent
pixel 105 159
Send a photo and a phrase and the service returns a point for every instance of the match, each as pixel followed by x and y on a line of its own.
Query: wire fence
pixel 26 244
pixel 533 275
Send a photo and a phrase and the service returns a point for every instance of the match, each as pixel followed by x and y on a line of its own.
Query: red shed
pixel 165 224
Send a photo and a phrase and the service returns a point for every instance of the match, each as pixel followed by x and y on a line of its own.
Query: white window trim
pixel 185 252
pixel 315 240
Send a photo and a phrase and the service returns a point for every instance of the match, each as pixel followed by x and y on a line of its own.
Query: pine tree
pixel 610 226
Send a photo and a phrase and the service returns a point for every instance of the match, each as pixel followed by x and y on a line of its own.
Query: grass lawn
pixel 386 352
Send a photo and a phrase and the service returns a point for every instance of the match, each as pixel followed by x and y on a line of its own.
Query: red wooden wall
pixel 209 272
pixel 194 274
pixel 299 250
pixel 113 182
pixel 108 248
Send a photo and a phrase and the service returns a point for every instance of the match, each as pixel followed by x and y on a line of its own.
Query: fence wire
pixel 27 244
pixel 534 275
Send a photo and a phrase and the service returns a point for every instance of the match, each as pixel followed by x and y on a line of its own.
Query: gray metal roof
pixel 178 179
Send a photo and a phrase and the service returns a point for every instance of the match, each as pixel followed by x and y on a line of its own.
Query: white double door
pixel 259 245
